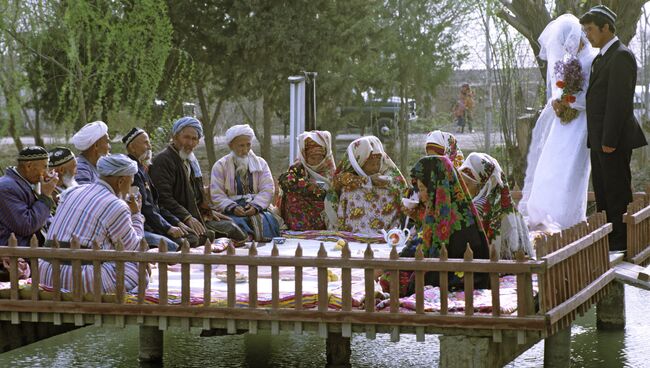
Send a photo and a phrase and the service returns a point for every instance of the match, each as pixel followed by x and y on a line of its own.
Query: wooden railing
pixel 572 269
pixel 577 270
pixel 637 220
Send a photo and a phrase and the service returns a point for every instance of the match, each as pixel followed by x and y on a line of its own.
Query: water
pixel 112 347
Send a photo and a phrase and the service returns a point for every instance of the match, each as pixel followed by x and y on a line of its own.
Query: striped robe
pixel 94 213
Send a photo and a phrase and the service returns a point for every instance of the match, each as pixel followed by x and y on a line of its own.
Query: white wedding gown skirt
pixel 557 175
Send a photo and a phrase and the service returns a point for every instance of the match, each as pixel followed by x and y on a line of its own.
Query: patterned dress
pixel 302 200
pixel 362 207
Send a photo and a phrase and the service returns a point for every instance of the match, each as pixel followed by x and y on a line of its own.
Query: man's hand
pixel 48 184
pixel 196 226
pixel 218 216
pixel 23 267
pixel 608 149
pixel 239 211
pixel 184 228
pixel 135 203
pixel 250 210
pixel 175 232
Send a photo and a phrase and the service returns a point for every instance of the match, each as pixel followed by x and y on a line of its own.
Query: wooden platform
pixel 632 274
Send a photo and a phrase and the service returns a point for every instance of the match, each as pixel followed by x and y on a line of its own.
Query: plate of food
pixel 239 277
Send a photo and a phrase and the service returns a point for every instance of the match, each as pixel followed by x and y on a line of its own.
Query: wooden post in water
pixel 557 349
pixel 151 344
pixel 338 350
pixel 610 310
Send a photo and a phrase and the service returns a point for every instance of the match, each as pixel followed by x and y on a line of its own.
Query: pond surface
pixel 112 347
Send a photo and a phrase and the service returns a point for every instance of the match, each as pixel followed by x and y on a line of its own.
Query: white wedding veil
pixel 561 38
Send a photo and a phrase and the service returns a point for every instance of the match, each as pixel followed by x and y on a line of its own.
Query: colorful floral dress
pixel 503 224
pixel 360 206
pixel 302 200
pixel 450 219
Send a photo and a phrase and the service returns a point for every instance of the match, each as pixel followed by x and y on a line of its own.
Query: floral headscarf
pixel 444 144
pixel 449 206
pixel 494 205
pixel 324 171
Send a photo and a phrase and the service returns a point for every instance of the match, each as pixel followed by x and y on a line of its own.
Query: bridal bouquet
pixel 570 79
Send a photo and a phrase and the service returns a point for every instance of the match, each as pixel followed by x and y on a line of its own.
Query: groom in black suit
pixel 612 129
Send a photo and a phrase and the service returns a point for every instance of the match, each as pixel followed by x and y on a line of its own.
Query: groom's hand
pixel 608 149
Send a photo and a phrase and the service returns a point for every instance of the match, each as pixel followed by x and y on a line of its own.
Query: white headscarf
pixel 237 130
pixel 324 139
pixel 89 134
pixel 445 144
pixel 360 150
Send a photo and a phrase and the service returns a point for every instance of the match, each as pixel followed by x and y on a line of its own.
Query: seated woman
pixel 305 184
pixel 444 144
pixel 438 143
pixel 367 189
pixel 503 224
pixel 450 219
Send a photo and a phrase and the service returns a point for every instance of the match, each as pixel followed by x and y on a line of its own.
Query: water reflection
pixel 109 347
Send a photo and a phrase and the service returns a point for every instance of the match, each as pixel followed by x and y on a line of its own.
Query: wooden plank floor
pixel 634 275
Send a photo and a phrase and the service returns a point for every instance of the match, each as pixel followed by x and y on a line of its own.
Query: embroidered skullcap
pixel 237 130
pixel 131 135
pixel 187 121
pixel 89 134
pixel 603 11
pixel 32 153
pixel 60 156
pixel 116 165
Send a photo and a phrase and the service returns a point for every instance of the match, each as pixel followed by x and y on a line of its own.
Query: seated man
pixel 64 163
pixel 305 184
pixel 97 212
pixel 176 174
pixel 503 224
pixel 93 142
pixel 367 189
pixel 242 186
pixel 26 199
pixel 158 221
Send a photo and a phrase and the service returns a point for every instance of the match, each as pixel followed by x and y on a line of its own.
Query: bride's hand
pixel 558 106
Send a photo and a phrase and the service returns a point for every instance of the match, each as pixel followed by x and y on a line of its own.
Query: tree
pixel 530 17
pixel 99 57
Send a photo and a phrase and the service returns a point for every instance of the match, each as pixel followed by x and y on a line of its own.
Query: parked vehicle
pixel 378 116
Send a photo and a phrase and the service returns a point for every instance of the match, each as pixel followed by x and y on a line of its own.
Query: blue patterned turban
pixel 116 165
pixel 187 121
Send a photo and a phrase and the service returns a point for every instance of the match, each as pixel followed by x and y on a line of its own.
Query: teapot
pixel 396 236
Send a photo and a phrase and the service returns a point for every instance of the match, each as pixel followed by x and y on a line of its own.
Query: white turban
pixel 237 130
pixel 116 165
pixel 89 134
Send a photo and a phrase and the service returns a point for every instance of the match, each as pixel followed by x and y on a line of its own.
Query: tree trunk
pixel 13 132
pixel 209 122
pixel 267 113
pixel 38 138
pixel 403 132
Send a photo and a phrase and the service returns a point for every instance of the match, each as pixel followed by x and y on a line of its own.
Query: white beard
pixel 241 164
pixel 69 181
pixel 186 155
pixel 145 158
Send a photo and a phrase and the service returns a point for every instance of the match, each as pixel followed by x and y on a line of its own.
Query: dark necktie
pixel 595 62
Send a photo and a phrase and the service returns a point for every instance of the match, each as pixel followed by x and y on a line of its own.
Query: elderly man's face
pixel 139 146
pixel 241 145
pixel 103 146
pixel 67 171
pixel 186 140
pixel 34 170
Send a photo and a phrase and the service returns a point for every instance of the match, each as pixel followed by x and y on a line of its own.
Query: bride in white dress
pixel 557 175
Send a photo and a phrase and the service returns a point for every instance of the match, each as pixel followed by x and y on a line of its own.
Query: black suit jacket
pixel 157 220
pixel 610 101
pixel 178 193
